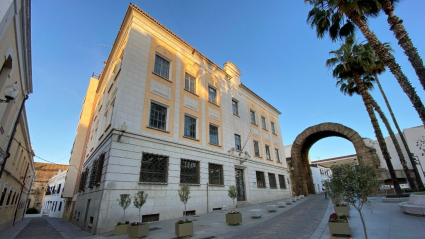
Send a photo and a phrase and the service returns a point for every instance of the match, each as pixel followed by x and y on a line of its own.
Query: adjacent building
pixel 16 156
pixel 162 115
pixel 320 174
pixel 43 172
pixel 53 202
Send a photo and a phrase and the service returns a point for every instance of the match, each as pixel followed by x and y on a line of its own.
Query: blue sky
pixel 279 55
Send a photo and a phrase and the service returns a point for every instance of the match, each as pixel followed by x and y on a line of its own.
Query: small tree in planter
pixel 122 228
pixel 355 183
pixel 184 227
pixel 233 217
pixel 138 229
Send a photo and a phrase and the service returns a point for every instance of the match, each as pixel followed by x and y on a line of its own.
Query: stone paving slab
pixel 38 228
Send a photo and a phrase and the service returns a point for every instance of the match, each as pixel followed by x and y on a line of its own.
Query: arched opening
pixel 302 181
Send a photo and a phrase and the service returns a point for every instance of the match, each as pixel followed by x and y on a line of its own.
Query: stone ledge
pixel 412 209
pixel 395 200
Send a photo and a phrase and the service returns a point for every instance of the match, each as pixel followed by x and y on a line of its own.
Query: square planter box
pixel 185 229
pixel 234 219
pixel 138 231
pixel 342 228
pixel 121 230
pixel 336 200
pixel 344 210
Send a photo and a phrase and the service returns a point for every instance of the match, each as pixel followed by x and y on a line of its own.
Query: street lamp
pixel 10 92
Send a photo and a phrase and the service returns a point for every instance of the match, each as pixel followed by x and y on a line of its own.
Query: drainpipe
pixel 207 200
pixel 12 136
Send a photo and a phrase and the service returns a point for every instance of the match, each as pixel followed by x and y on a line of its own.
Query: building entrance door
pixel 240 188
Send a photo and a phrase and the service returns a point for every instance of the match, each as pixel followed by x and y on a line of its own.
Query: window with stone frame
pixel 189 127
pixel 99 168
pixel 3 195
pixel 189 171
pixel 83 180
pixel 154 168
pixel 256 149
pixel 273 129
pixel 158 116
pixel 261 180
pixel 263 122
pixel 212 95
pixel 268 153
pixel 189 83
pixel 276 151
pixel 252 113
pixel 282 182
pixel 92 181
pixel 272 180
pixel 235 107
pixel 215 174
pixel 238 146
pixel 214 134
pixel 162 67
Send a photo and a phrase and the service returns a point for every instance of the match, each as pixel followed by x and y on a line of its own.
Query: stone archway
pixel 302 181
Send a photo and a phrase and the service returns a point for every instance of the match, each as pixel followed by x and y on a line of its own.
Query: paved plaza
pixel 306 218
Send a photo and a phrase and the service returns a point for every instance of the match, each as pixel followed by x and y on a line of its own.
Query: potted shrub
pixel 184 227
pixel 139 229
pixel 122 228
pixel 342 208
pixel 233 217
pixel 338 224
pixel 355 183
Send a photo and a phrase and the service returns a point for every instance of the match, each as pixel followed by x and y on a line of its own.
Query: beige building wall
pixel 16 157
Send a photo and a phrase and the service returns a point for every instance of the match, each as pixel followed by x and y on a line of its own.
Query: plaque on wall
pixel 160 89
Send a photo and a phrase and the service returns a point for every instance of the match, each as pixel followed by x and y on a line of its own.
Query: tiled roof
pixel 50 166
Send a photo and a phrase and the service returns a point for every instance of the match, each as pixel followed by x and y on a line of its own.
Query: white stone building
pixel 163 115
pixel 319 174
pixel 53 203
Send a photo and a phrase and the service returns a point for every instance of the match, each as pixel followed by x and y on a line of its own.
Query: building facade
pixel 320 174
pixel 163 115
pixel 43 172
pixel 53 202
pixel 16 156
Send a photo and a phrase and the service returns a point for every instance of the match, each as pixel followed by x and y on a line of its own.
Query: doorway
pixel 240 187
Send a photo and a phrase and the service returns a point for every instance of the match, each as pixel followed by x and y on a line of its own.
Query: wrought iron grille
pixel 261 181
pixel 154 168
pixel 189 171
pixel 99 168
pixel 215 172
pixel 282 182
pixel 93 174
pixel 272 180
pixel 83 180
pixel 150 218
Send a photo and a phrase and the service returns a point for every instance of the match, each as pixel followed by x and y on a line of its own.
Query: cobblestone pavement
pixel 298 222
pixel 39 228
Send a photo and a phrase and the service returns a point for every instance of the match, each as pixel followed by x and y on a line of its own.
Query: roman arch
pixel 302 181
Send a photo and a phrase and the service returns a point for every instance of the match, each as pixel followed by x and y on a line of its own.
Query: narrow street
pixel 39 228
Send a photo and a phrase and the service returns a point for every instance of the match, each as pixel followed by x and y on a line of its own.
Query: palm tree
pixel 379 68
pixel 352 61
pixel 396 25
pixel 349 87
pixel 329 15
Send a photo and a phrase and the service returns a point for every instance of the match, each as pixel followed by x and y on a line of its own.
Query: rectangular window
pixel 268 153
pixel 189 171
pixel 212 95
pixel 161 67
pixel 282 182
pixel 215 173
pixel 238 146
pixel 154 168
pixel 272 180
pixel 189 127
pixel 277 155
pixel 253 117
pixel 273 129
pixel 261 181
pixel 213 134
pixel 235 107
pixel 189 83
pixel 158 116
pixel 263 122
pixel 256 149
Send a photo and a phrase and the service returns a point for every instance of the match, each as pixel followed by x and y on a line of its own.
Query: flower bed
pixel 338 224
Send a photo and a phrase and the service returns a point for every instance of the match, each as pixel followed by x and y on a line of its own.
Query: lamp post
pixel 11 92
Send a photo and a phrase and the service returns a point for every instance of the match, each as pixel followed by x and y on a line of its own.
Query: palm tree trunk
pixel 389 61
pixel 404 40
pixel 368 103
pixel 419 183
pixel 395 141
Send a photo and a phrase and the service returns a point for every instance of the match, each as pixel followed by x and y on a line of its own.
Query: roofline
pixel 258 97
pixel 330 159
